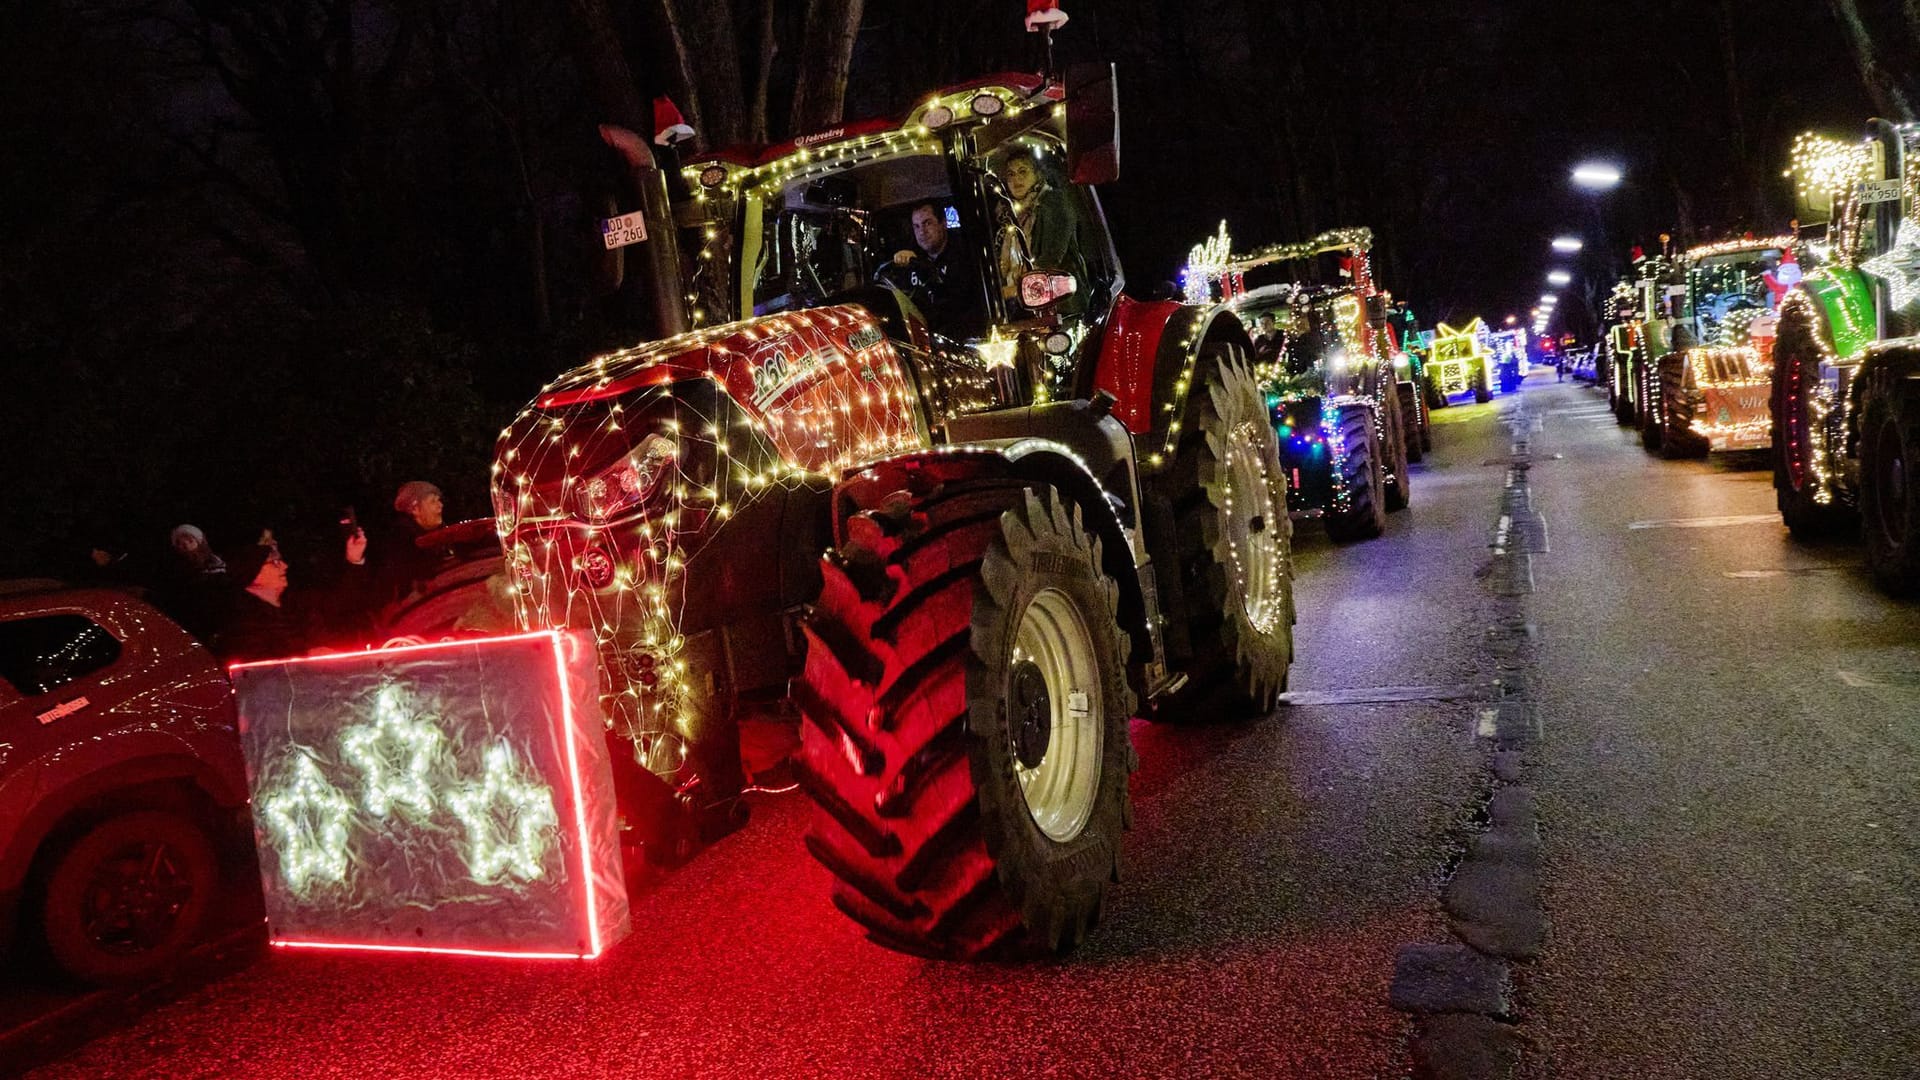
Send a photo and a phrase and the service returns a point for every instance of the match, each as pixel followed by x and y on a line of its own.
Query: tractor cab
pixel 967 225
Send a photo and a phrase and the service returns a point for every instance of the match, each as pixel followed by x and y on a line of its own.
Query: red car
pixel 120 778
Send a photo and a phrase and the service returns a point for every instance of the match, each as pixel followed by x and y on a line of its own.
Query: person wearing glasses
pixel 265 622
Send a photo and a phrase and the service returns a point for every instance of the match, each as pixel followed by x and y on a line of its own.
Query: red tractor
pixel 1045 508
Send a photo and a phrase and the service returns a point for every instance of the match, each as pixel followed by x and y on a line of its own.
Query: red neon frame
pixel 558 639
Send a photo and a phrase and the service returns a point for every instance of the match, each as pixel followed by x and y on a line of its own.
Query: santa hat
pixel 669 127
pixel 1045 15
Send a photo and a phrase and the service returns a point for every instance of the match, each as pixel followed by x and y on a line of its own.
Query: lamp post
pixel 1595 178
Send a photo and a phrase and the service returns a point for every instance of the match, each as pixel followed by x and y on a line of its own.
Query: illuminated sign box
pixel 453 797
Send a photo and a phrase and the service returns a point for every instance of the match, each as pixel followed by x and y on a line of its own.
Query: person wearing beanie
pixel 194 588
pixel 260 625
pixel 400 563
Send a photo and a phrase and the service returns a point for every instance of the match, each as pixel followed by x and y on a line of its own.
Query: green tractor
pixel 1845 391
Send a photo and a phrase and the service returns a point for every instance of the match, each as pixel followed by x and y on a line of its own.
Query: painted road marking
pixel 1795 571
pixel 1706 522
pixel 1376 695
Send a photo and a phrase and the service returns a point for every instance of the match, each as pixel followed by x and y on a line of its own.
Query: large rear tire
pixel 965 738
pixel 1237 567
pixel 1365 515
pixel 1483 383
pixel 1799 436
pixel 1889 505
pixel 128 898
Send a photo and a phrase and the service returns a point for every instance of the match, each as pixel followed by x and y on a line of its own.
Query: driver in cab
pixel 936 276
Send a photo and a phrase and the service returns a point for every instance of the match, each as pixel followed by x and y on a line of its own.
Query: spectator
pixel 267 621
pixel 194 587
pixel 262 626
pixel 103 564
pixel 401 564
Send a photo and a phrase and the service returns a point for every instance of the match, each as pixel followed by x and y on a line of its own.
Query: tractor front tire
pixel 1237 567
pixel 1649 418
pixel 966 709
pixel 1798 438
pixel 1889 505
pixel 1365 515
pixel 1677 437
pixel 1399 485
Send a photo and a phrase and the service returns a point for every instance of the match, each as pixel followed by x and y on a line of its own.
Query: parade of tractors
pixel 916 504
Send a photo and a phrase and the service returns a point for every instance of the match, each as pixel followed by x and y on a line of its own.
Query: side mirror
pixel 1044 288
pixel 1093 124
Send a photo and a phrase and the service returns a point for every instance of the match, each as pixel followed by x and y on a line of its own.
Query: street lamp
pixel 1596 175
pixel 1558 277
pixel 1567 245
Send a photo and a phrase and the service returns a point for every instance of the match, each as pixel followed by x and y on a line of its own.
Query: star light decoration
pixel 508 817
pixel 393 753
pixel 1898 266
pixel 308 817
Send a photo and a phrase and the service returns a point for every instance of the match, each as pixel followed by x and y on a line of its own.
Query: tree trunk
pixel 1881 86
pixel 704 34
pixel 757 107
pixel 820 97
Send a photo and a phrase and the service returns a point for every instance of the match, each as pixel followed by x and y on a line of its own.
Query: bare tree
pixel 820 94
pixel 1885 89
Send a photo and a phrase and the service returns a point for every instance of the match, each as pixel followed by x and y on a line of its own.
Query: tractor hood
pixel 756 360
pixel 806 391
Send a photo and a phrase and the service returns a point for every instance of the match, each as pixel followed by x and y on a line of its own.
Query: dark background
pixel 262 258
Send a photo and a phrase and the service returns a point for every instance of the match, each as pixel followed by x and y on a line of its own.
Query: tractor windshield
pixel 891 222
pixel 1728 292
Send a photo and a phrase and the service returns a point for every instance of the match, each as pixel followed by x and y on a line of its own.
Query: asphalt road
pixel 1727 780
pixel 1723 781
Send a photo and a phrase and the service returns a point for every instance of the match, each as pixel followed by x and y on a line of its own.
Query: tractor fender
pixel 1146 348
pixel 1841 303
pixel 1026 458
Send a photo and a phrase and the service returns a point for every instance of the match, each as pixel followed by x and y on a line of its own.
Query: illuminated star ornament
pixel 508 819
pixel 1898 267
pixel 308 819
pixel 393 753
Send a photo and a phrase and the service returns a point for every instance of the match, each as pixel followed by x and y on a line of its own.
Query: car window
pixel 41 654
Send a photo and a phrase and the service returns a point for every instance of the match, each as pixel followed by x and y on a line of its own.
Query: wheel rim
pixel 1252 522
pixel 1055 715
pixel 133 900
pixel 1890 484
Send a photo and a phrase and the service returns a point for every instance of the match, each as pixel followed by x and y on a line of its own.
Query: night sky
pixel 1451 128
